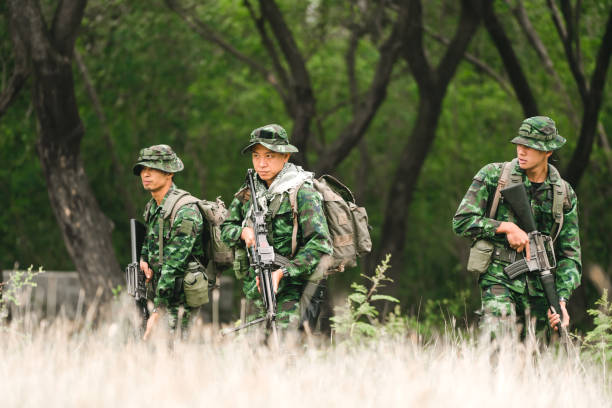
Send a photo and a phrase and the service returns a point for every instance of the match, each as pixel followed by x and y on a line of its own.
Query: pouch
pixel 241 263
pixel 480 256
pixel 195 285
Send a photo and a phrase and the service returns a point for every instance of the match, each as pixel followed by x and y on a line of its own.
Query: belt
pixel 504 254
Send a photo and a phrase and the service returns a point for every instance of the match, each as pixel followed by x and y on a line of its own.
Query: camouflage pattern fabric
pixel 313 240
pixel 160 157
pixel 540 133
pixel 273 137
pixel 471 220
pixel 180 245
pixel 503 310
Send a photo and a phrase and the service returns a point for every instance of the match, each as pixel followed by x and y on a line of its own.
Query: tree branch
pixel 478 63
pixel 209 34
pixel 534 40
pixel 511 62
pixel 66 24
pixel 21 70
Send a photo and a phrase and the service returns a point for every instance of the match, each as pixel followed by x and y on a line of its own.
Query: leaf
pixel 385 297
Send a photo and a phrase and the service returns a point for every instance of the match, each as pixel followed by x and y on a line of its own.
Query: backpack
pixel 560 193
pixel 219 255
pixel 347 223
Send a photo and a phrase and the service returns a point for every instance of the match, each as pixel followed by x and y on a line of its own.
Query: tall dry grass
pixel 70 364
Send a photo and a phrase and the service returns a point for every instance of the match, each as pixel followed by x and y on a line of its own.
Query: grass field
pixel 71 364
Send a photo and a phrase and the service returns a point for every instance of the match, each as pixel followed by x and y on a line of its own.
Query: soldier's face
pixel 530 159
pixel 154 180
pixel 267 163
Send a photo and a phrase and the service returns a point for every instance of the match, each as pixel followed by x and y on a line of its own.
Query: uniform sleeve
pixel 186 229
pixel 315 233
pixel 569 264
pixel 471 219
pixel 232 226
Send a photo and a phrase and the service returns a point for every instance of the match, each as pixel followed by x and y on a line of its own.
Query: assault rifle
pixel 134 276
pixel 542 254
pixel 262 259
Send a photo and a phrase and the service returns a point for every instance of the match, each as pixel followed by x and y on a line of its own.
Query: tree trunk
pixel 86 230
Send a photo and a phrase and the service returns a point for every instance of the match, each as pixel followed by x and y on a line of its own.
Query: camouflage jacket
pixel 313 238
pixel 471 220
pixel 180 244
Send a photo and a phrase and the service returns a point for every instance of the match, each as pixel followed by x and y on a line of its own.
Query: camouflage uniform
pixel 522 296
pixel 181 243
pixel 313 238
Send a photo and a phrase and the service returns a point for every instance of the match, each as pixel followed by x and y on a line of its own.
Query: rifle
pixel 262 259
pixel 542 254
pixel 134 276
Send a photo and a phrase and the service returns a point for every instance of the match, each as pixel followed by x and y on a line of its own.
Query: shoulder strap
pixel 294 210
pixel 502 182
pixel 559 197
pixel 176 196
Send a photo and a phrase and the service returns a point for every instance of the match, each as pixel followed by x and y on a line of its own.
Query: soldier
pixel 270 151
pixel 523 297
pixel 164 259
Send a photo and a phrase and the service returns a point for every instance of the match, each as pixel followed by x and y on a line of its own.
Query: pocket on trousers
pixel 480 256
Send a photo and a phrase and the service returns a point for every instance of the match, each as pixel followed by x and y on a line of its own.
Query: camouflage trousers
pixel 293 311
pixel 505 312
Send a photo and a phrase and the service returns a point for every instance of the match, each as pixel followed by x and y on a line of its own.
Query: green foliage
pixel 358 319
pixel 598 342
pixel 117 291
pixel 10 290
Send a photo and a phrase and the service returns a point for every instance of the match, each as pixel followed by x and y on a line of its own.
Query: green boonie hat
pixel 540 133
pixel 272 137
pixel 160 157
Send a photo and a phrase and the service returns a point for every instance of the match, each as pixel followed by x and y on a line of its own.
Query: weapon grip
pixel 548 283
pixel 516 197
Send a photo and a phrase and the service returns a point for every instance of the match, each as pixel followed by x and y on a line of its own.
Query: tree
pixel 49 52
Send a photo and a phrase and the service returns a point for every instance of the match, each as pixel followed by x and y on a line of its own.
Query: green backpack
pixel 347 223
pixel 219 255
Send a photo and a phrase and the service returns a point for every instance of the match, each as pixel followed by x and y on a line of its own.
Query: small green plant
pixel 9 291
pixel 358 318
pixel 598 342
pixel 117 291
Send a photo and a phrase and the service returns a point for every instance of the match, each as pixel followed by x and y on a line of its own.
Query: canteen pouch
pixel 480 256
pixel 241 263
pixel 195 285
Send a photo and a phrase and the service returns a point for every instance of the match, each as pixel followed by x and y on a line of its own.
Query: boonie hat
pixel 160 157
pixel 540 133
pixel 272 137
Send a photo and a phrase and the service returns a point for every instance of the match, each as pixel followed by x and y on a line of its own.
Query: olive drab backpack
pixel 214 213
pixel 560 193
pixel 347 223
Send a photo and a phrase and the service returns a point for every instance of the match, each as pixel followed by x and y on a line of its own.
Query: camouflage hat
pixel 160 157
pixel 540 133
pixel 272 137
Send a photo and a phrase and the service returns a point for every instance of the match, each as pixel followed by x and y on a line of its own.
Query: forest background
pixel 403 101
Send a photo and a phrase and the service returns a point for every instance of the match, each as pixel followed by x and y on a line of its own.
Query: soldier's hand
pixel 517 238
pixel 248 236
pixel 277 275
pixel 151 323
pixel 554 318
pixel 148 272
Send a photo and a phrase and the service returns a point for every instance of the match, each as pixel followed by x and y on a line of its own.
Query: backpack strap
pixel 502 182
pixel 169 210
pixel 293 201
pixel 560 194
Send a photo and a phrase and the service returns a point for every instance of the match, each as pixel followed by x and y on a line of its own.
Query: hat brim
pixel 544 146
pixel 285 148
pixel 158 165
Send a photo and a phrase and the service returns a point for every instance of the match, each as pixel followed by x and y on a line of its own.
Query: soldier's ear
pixel 287 156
